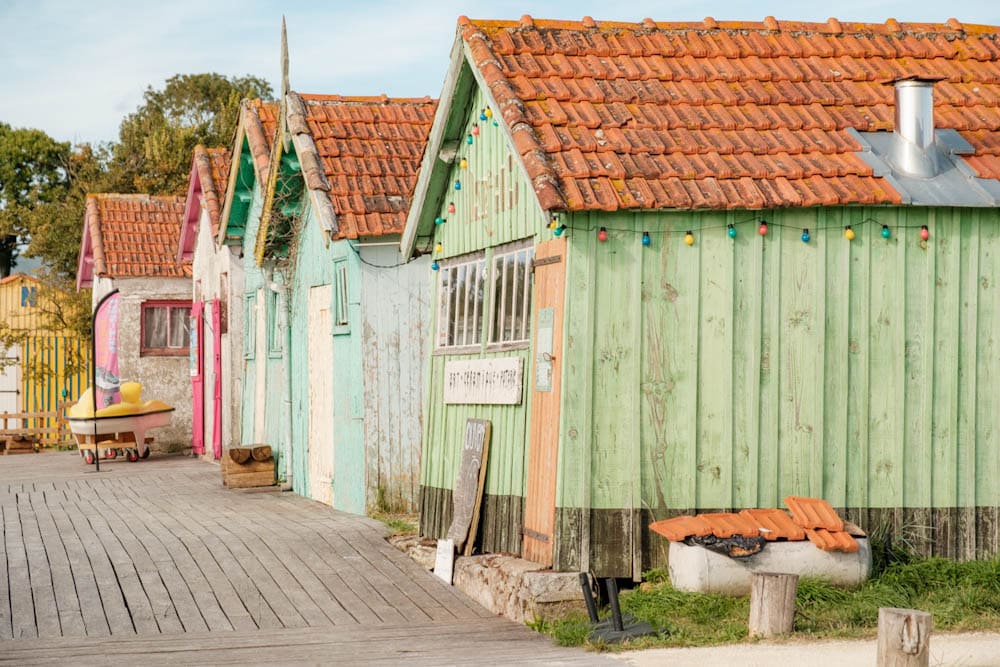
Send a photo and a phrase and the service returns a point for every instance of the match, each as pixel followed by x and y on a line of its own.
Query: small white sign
pixel 444 563
pixel 484 381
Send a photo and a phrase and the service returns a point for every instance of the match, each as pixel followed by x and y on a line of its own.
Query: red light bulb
pixel 924 233
pixel 475 130
pixel 762 230
pixel 602 235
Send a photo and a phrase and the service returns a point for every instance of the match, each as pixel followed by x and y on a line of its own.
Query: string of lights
pixel 763 228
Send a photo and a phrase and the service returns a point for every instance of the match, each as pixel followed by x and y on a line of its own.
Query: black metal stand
pixel 617 628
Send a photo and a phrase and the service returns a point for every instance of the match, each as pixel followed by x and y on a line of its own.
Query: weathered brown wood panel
pixel 543 447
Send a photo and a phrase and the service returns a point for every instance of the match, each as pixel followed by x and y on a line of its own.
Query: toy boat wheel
pixel 88 456
pixel 145 453
pixel 110 453
pixel 132 455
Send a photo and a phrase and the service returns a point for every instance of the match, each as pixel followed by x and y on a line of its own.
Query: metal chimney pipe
pixel 916 154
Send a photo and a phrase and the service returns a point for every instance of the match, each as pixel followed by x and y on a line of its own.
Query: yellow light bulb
pixel 438 248
pixel 464 164
pixel 848 233
pixel 689 238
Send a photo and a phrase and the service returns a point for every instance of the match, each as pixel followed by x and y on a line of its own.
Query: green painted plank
pixel 836 380
pixel 713 250
pixel 944 243
pixel 769 462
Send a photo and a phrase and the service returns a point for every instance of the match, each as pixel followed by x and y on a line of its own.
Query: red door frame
pixel 197 378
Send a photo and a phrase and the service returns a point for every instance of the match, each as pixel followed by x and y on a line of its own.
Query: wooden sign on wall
pixel 468 493
pixel 484 381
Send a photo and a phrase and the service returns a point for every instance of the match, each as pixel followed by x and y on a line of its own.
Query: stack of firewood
pixel 21 444
pixel 247 467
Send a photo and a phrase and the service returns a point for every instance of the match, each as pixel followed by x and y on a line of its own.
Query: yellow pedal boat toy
pixel 122 425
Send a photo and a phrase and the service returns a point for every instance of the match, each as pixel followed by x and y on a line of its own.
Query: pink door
pixel 217 379
pixel 197 379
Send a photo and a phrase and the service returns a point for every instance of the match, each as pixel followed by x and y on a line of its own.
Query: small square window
pixel 341 311
pixel 250 326
pixel 165 328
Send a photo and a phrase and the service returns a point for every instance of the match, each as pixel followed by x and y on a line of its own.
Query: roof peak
pixel 317 98
pixel 768 24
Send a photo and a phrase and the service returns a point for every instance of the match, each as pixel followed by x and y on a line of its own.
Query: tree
pixel 153 153
pixel 32 173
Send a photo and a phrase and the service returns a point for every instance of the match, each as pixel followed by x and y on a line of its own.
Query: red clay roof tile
pixel 813 513
pixel 832 540
pixel 682 527
pixel 774 524
pixel 717 88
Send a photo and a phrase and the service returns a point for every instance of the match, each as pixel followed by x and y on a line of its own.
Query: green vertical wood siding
pixel 739 371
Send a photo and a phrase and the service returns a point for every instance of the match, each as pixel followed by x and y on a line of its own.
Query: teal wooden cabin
pixel 356 312
pixel 734 263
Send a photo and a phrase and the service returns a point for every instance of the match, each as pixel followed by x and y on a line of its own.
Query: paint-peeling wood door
pixel 540 506
pixel 10 380
pixel 197 365
pixel 320 342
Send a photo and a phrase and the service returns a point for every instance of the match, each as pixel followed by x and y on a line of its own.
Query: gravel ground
pixel 979 649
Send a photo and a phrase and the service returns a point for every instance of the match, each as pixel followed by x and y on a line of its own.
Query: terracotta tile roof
pixel 832 540
pixel 134 235
pixel 260 122
pixel 813 513
pixel 370 149
pixel 718 115
pixel 212 165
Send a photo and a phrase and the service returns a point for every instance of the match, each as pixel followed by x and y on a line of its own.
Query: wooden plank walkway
pixel 156 559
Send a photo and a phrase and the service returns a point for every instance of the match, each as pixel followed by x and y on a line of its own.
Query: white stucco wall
pixel 218 274
pixel 166 379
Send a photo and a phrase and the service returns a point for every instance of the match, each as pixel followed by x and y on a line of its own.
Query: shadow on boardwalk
pixel 155 559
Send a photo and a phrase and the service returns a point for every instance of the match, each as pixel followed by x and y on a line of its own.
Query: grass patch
pixel 399 524
pixel 961 597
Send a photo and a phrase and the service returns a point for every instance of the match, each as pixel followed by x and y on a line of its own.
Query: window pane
pixel 179 327
pixel 521 294
pixel 459 311
pixel 478 297
pixel 155 327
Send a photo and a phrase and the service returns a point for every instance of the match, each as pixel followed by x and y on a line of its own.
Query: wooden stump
pixel 772 603
pixel 904 637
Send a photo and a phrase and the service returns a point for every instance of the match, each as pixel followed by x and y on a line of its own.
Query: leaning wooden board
pixel 468 493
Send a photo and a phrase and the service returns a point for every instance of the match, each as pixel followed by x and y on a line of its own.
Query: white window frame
pixel 505 306
pixel 447 330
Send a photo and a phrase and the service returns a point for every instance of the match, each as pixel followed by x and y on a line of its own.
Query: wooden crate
pixel 252 473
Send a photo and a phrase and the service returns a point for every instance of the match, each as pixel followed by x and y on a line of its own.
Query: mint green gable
pixel 494 206
pixel 735 372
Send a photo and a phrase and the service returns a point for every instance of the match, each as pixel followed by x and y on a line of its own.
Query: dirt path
pixel 966 650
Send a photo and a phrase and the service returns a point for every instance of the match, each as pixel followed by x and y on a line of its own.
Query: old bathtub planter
pixel 695 569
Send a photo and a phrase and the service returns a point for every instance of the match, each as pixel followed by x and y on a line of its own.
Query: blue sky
pixel 74 69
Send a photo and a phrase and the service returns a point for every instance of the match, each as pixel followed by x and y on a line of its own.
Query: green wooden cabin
pixel 340 181
pixel 731 264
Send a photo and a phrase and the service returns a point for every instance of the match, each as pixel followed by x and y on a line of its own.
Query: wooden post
pixel 772 603
pixel 904 637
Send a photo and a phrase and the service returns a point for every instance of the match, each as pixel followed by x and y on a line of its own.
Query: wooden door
pixel 10 380
pixel 540 505
pixel 320 352
pixel 197 365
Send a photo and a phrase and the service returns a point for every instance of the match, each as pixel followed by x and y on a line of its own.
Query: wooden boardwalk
pixel 156 559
